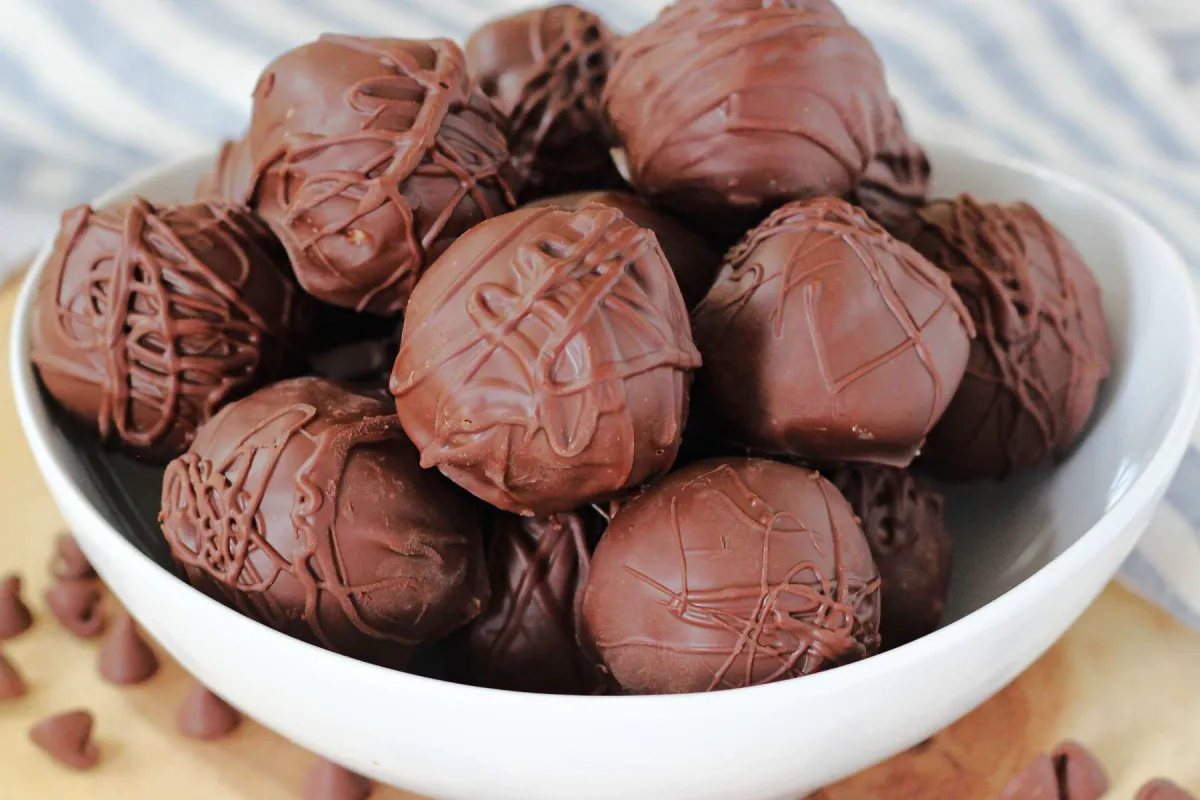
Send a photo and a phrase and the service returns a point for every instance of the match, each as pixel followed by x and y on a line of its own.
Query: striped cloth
pixel 91 90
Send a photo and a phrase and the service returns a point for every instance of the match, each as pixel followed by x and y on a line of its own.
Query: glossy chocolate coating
pixel 826 339
pixel 303 506
pixel 546 360
pixel 149 319
pixel 368 157
pixel 746 104
pixel 896 184
pixel 694 263
pixel 1042 349
pixel 905 525
pixel 731 573
pixel 526 639
pixel 545 69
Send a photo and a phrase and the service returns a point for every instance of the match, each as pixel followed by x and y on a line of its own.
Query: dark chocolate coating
pixel 1042 349
pixel 731 573
pixel 826 339
pixel 368 157
pixel 905 526
pixel 693 262
pixel 526 639
pixel 746 104
pixel 304 507
pixel 546 360
pixel 545 69
pixel 149 319
pixel 896 184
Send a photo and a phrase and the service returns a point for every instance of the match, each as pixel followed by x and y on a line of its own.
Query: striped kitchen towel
pixel 91 90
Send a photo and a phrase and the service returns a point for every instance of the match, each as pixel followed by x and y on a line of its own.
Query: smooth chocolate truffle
pixel 746 104
pixel 15 617
pixel 204 716
pixel 905 526
pixel 1042 349
pixel 149 319
pixel 694 263
pixel 546 360
pixel 545 69
pixel 303 506
pixel 368 157
pixel 730 573
pixel 896 184
pixel 526 639
pixel 67 738
pixel 826 339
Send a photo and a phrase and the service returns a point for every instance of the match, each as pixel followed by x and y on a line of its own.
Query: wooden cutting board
pixel 1123 681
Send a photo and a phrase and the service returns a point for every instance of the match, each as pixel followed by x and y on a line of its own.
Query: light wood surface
pixel 1123 681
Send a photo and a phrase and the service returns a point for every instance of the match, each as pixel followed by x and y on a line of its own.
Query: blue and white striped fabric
pixel 91 90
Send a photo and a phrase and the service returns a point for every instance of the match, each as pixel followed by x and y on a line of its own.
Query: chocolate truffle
pixel 826 339
pixel 896 184
pixel 368 157
pixel 694 263
pixel 545 69
pixel 149 319
pixel 905 526
pixel 731 573
pixel 526 639
pixel 546 360
pixel 746 104
pixel 303 506
pixel 1043 347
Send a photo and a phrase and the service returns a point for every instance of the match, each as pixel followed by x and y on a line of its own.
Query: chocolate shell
pixel 149 319
pixel 826 339
pixel 731 573
pixel 896 184
pixel 1043 347
pixel 546 360
pixel 304 507
pixel 545 69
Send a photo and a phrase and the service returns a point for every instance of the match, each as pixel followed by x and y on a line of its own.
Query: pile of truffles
pixel 446 366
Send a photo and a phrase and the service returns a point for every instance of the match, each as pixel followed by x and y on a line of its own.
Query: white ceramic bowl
pixel 1032 554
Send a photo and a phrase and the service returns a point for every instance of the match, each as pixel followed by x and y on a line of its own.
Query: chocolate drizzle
pixel 1043 347
pixel 731 573
pixel 295 506
pixel 546 69
pixel 747 103
pixel 545 360
pixel 368 157
pixel 895 185
pixel 149 319
pixel 821 297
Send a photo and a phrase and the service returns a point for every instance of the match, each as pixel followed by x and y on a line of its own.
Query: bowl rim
pixel 1135 498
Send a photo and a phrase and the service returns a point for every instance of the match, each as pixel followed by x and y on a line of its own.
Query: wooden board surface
pixel 1123 681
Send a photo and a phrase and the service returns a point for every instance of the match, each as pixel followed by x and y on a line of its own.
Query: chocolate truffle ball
pixel 368 157
pixel 896 184
pixel 545 69
pixel 526 639
pixel 746 104
pixel 905 526
pixel 731 573
pixel 1043 347
pixel 826 339
pixel 148 319
pixel 546 360
pixel 304 507
pixel 694 263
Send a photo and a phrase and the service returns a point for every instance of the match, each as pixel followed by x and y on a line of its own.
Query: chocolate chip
pixel 15 618
pixel 1080 776
pixel 328 781
pixel 69 561
pixel 1163 789
pixel 203 715
pixel 67 738
pixel 125 658
pixel 1037 781
pixel 76 606
pixel 12 685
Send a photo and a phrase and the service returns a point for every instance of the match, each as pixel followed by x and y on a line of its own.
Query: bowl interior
pixel 1003 533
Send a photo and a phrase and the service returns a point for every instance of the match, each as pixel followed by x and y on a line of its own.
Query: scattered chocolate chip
pixel 203 715
pixel 1036 782
pixel 328 781
pixel 67 738
pixel 15 618
pixel 125 658
pixel 1163 789
pixel 70 564
pixel 76 605
pixel 12 685
pixel 1080 776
